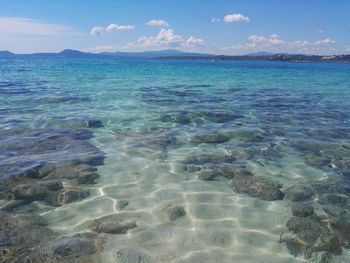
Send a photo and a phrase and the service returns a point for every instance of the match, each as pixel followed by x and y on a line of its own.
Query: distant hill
pixel 6 54
pixel 180 55
pixel 259 54
pixel 70 53
pixel 153 54
pixel 74 53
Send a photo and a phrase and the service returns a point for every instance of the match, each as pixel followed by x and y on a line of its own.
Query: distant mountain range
pixel 180 55
pixel 70 53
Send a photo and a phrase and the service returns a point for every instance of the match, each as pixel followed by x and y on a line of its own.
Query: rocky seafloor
pixel 45 169
pixel 172 173
pixel 39 171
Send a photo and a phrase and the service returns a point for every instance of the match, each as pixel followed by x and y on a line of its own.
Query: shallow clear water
pixel 153 112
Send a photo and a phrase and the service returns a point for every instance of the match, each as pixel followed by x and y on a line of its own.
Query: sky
pixel 229 27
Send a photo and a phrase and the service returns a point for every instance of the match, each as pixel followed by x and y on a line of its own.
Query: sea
pixel 156 160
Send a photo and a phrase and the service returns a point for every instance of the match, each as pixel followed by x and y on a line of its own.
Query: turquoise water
pixel 285 122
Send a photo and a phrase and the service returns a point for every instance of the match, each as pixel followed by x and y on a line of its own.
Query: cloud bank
pixel 165 39
pixel 274 43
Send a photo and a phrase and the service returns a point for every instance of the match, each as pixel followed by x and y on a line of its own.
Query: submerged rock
pixel 180 118
pixel 49 160
pixel 31 192
pixel 326 242
pixel 314 146
pixel 77 245
pixel 306 231
pixel 342 163
pixel 132 255
pixel 302 210
pixel 294 245
pixel 318 161
pixel 176 212
pixel 112 224
pixel 340 227
pixel 21 232
pixel 14 204
pixel 259 187
pixel 298 193
pixel 190 168
pixel 32 171
pixel 48 147
pixel 342 188
pixel 156 141
pixel 311 233
pixel 77 173
pixel 66 196
pixel 229 171
pixel 243 154
pixel 93 123
pixel 211 138
pixel 253 138
pixel 187 118
pixel 121 204
pixel 53 185
pixel 333 199
pixel 153 145
pixel 78 248
pixel 207 176
pixel 207 159
pixel 220 116
pixel 334 211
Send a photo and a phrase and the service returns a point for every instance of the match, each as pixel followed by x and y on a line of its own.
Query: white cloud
pixel 28 26
pixel 193 42
pixel 256 42
pixel 236 18
pixel 274 43
pixel 165 38
pixel 157 23
pixel 114 27
pixel 320 31
pixel 113 48
pixel 299 43
pixel 240 47
pixel 99 31
pixel 304 43
pixel 326 41
pixel 102 48
pixel 215 20
pixel 257 39
pixel 265 41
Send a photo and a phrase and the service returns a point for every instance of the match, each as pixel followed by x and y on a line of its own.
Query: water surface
pixel 285 122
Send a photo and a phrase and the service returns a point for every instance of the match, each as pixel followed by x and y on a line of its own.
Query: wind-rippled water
pixel 181 154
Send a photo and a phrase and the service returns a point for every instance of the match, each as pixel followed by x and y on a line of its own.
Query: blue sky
pixel 216 26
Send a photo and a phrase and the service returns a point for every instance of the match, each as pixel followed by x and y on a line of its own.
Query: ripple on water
pixel 159 138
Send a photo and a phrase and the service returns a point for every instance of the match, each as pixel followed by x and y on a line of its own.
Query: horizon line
pixel 178 50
